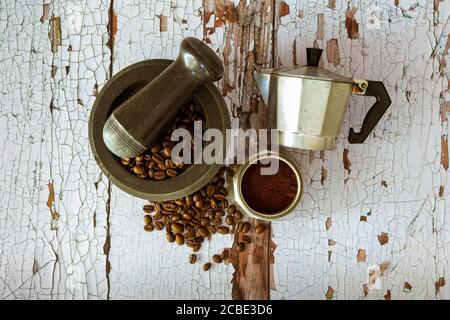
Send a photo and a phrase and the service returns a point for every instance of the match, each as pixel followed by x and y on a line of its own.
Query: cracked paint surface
pixel 385 197
pixel 66 232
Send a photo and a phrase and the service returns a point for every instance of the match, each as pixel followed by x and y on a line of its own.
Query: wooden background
pixel 66 232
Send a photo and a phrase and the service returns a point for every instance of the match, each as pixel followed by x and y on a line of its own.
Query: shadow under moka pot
pixel 307 103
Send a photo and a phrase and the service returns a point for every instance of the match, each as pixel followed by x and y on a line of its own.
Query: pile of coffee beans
pixel 156 162
pixel 189 221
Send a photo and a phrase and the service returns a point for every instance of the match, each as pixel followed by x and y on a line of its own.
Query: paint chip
pixel 444 152
pixel 320 27
pixel 439 284
pixel 387 296
pixel 333 52
pixel 347 162
pixel 323 175
pixel 55 33
pixel 441 191
pixel 384 184
pixel 284 9
pixel 351 24
pixel 361 256
pixel 331 4
pixel 328 223
pixel 330 293
pixel 383 238
pixel 331 242
pixel 45 11
pixel 407 286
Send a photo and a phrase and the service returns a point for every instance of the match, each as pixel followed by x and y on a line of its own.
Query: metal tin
pixel 125 84
pixel 234 183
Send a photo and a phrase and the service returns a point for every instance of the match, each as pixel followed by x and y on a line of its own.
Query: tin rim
pixel 238 186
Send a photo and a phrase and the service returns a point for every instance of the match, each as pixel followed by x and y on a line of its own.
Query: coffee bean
pixel 139 170
pixel 162 167
pixel 239 227
pixel 223 230
pixel 238 215
pixel 159 159
pixel 148 227
pixel 216 258
pixel 240 247
pixel 148 208
pixel 199 240
pixel 170 237
pixel 203 231
pixel 189 201
pixel 179 239
pixel 206 266
pixel 219 196
pixel 147 219
pixel 167 151
pixel 231 209
pixel 196 247
pixel 180 202
pixel 246 239
pixel 170 207
pixel 212 229
pixel 159 225
pixel 165 220
pixel 246 227
pixel 158 216
pixel 229 220
pixel 224 255
pixel 205 221
pixel 151 173
pixel 190 244
pixel 177 227
pixel 199 203
pixel 210 190
pixel 172 172
pixel 260 229
pixel 197 197
pixel 187 216
pixel 159 175
pixel 156 148
pixel 192 258
pixel 158 207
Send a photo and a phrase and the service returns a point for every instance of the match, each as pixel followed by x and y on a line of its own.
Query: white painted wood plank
pixel 404 151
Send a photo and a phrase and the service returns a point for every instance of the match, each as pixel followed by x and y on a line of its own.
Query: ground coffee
pixel 269 194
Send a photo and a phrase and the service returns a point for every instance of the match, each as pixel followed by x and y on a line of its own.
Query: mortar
pixel 122 86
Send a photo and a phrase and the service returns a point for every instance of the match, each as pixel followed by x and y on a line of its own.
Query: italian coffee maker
pixel 307 103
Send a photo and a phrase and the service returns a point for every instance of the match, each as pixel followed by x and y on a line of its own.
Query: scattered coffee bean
pixel 192 258
pixel 238 215
pixel 231 209
pixel 203 231
pixel 216 258
pixel 206 266
pixel 148 208
pixel 230 220
pixel 260 229
pixel 246 239
pixel 224 255
pixel 223 230
pixel 240 247
pixel 159 225
pixel 246 227
pixel 148 227
pixel 177 227
pixel 179 239
pixel 147 219
pixel 170 237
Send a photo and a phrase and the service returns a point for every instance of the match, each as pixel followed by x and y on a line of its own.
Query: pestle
pixel 139 121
